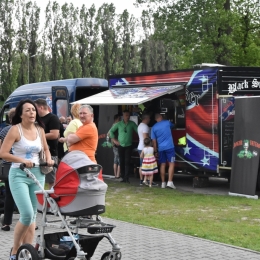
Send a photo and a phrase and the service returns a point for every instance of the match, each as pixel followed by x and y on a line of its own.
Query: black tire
pixel 27 252
pixel 105 256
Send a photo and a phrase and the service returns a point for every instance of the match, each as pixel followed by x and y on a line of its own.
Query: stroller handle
pixel 23 165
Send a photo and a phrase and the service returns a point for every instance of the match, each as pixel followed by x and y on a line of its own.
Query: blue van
pixel 58 94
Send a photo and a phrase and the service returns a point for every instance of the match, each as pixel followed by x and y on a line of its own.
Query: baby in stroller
pixel 77 192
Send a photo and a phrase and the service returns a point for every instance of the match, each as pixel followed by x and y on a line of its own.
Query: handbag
pixel 42 158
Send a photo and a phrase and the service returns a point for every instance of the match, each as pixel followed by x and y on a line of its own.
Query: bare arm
pixel 12 137
pixel 72 139
pixel 46 148
pixel 65 139
pixel 155 145
pixel 115 141
pixel 142 154
pixel 53 134
pixel 145 135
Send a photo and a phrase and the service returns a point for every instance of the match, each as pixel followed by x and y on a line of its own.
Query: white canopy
pixel 128 96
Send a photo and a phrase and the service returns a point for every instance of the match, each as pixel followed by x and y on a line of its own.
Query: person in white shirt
pixel 143 132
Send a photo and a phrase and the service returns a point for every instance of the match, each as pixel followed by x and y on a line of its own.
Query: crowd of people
pixel 33 129
pixel 155 144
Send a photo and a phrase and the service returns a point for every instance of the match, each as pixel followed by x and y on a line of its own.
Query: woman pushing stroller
pixel 24 139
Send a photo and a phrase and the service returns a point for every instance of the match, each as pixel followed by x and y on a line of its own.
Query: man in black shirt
pixel 52 131
pixel 60 145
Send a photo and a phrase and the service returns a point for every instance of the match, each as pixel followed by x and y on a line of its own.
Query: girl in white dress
pixel 149 165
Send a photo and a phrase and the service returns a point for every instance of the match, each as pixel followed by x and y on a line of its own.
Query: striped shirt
pixel 3 134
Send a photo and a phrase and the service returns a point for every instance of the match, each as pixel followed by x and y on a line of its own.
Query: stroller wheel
pixel 111 256
pixel 27 252
pixel 72 258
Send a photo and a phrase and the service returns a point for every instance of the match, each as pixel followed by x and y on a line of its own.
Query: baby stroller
pixel 77 192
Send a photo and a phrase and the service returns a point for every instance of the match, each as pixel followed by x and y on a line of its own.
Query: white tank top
pixel 26 149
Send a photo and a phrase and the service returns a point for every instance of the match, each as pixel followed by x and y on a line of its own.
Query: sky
pixel 120 5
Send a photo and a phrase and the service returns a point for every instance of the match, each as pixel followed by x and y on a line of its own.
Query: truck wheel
pixel 258 181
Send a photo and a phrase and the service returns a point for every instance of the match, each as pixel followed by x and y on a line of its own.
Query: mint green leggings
pixel 22 188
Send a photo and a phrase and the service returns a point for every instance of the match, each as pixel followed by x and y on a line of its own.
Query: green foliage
pixel 216 31
pixel 86 42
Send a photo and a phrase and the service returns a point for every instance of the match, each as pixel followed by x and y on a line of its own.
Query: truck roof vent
pixel 206 65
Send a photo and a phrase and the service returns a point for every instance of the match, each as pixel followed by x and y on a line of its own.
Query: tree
pixel 246 35
pixel 155 53
pixel 9 59
pixel 109 36
pixel 52 32
pixel 34 44
pixel 208 30
pixel 68 42
pixel 126 28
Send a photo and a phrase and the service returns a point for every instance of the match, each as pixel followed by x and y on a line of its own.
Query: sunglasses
pixel 125 130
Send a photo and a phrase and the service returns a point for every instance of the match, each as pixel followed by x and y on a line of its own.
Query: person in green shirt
pixel 125 130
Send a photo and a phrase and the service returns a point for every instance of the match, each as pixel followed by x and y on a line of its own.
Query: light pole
pixel 29 65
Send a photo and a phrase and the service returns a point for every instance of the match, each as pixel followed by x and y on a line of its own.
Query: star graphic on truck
pixel 186 149
pixel 205 161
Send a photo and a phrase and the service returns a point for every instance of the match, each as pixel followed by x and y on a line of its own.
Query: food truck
pixel 199 101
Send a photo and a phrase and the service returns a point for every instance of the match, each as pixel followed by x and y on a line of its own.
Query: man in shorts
pixel 161 135
pixel 52 131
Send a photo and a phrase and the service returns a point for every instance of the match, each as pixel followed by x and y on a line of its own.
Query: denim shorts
pixel 116 155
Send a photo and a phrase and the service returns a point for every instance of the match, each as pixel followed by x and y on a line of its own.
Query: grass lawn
pixel 226 219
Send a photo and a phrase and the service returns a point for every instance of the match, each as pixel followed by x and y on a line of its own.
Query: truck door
pixel 60 101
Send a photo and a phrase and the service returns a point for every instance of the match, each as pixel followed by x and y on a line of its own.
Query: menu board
pixel 226 114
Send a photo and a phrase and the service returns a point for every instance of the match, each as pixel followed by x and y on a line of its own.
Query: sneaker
pixel 150 186
pixel 171 185
pixel 145 183
pixel 163 185
pixel 153 183
pixel 141 182
pixel 12 257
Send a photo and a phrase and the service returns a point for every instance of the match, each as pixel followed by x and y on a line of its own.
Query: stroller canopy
pixel 77 173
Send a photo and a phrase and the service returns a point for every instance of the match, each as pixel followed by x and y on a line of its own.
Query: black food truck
pixel 199 101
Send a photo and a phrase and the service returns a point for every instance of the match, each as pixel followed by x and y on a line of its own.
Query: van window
pixel 62 107
pixel 61 93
